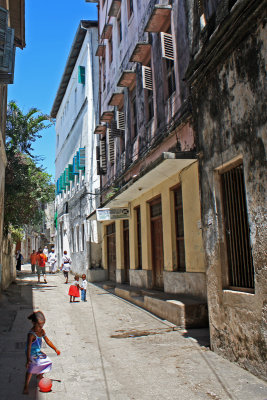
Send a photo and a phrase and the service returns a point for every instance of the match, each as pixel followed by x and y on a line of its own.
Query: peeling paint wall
pixel 230 120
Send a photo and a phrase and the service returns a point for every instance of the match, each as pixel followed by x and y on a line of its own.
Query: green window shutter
pixel 66 172
pixel 75 168
pixel 70 172
pixel 81 158
pixel 81 75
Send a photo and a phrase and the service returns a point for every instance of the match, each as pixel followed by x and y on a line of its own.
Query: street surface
pixel 111 350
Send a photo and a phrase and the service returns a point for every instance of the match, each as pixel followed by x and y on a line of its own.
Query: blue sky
pixel 50 29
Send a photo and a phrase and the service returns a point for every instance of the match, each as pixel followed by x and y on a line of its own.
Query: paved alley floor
pixel 110 350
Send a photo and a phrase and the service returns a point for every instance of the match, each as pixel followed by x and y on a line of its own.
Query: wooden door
pixel 157 244
pixel 111 249
pixel 126 249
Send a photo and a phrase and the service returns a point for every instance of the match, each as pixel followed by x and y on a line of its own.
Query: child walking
pixel 37 362
pixel 74 289
pixel 83 288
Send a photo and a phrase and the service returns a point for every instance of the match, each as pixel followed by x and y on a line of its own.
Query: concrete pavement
pixel 111 350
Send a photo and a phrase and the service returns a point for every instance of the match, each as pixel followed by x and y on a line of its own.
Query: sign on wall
pixel 107 214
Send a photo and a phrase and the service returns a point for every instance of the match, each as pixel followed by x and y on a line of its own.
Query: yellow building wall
pixel 194 252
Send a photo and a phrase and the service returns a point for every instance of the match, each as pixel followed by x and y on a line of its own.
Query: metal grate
pixel 241 270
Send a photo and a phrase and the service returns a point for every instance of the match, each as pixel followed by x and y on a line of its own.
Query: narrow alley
pixel 111 349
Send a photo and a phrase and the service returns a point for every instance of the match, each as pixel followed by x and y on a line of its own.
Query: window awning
pixel 114 8
pixel 141 53
pixel 116 99
pixel 159 19
pixel 163 168
pixel 127 79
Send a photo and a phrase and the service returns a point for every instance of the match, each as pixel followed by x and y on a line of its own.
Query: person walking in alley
pixel 65 265
pixel 33 260
pixel 52 260
pixel 19 258
pixel 74 289
pixel 83 288
pixel 41 260
pixel 37 362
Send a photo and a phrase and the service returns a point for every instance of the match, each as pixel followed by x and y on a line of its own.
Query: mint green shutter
pixel 81 75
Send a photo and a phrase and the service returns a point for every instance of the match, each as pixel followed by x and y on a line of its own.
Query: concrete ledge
pixel 97 275
pixel 190 283
pixel 186 312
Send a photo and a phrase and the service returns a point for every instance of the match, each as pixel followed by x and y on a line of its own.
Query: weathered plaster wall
pixel 230 114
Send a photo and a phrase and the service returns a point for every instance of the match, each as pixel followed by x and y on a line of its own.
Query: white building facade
pixel 77 184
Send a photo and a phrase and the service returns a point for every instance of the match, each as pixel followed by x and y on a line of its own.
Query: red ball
pixel 45 385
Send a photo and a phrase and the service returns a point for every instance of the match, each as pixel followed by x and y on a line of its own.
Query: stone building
pixel 147 159
pixel 75 109
pixel 12 32
pixel 227 76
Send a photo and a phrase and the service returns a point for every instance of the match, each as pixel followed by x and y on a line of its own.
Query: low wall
pixel 191 283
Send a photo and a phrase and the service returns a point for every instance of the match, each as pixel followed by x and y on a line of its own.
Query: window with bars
pixel 139 238
pixel 179 225
pixel 240 262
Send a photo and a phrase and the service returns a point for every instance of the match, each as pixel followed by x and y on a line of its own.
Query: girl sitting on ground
pixel 37 362
pixel 74 290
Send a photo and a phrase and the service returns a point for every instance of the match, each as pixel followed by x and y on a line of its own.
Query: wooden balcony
pixel 114 8
pixel 160 18
pixel 100 129
pixel 100 52
pixel 107 32
pixel 107 116
pixel 141 53
pixel 116 99
pixel 127 79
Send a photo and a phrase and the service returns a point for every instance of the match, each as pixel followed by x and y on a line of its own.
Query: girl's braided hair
pixel 37 316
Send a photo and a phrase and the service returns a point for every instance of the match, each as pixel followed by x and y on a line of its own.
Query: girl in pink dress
pixel 37 362
pixel 74 290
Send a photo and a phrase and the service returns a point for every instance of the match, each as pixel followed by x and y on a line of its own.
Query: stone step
pixel 185 312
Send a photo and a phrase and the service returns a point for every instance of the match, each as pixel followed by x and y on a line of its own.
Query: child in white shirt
pixel 83 288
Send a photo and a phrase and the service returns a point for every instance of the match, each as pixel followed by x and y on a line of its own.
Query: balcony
pixel 107 32
pixel 141 53
pixel 160 18
pixel 100 52
pixel 127 79
pixel 107 116
pixel 100 130
pixel 114 8
pixel 116 100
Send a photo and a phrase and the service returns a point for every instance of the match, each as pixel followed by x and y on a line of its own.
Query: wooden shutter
pixel 81 75
pixel 167 45
pixel 111 152
pixel 147 77
pixel 120 120
pixel 103 158
pixel 115 132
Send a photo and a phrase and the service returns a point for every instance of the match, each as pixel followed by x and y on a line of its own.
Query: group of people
pixel 38 362
pixel 39 260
